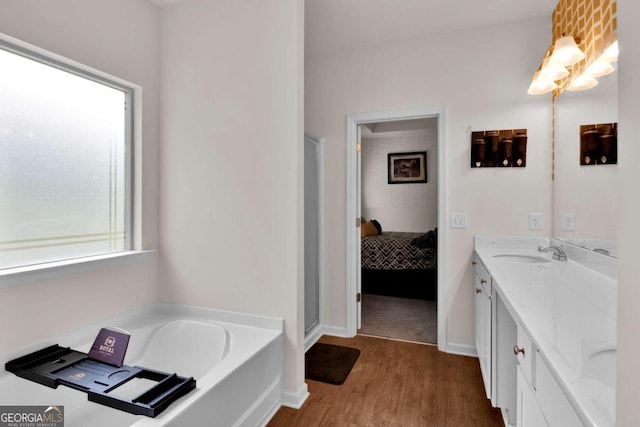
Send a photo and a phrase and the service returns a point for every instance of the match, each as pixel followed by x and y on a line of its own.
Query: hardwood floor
pixel 396 383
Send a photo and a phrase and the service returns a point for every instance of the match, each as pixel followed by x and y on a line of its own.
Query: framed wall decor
pixel 407 168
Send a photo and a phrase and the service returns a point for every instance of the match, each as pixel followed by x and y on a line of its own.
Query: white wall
pixel 400 207
pixel 629 231
pixel 119 37
pixel 232 164
pixel 481 78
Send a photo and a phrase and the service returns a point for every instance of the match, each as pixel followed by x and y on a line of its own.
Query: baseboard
pixel 461 349
pixel 295 400
pixel 263 409
pixel 505 418
pixel 335 331
pixel 313 337
pixel 321 330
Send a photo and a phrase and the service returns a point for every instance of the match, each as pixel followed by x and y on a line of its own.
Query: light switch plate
pixel 568 222
pixel 458 220
pixel 535 221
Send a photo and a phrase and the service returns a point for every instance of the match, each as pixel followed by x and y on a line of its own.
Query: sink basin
pixel 527 259
pixel 601 366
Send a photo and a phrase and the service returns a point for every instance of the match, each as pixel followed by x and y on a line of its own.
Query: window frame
pixel 132 116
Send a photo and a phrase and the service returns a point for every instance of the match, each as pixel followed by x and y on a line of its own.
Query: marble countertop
pixel 568 310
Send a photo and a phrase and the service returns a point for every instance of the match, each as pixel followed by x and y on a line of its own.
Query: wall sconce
pixel 583 34
pixel 566 53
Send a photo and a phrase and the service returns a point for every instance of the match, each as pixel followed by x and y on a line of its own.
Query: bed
pixel 400 264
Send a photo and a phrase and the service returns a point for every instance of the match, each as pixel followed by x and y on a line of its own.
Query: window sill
pixel 53 270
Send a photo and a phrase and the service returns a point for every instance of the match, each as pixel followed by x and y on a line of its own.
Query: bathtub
pixel 236 359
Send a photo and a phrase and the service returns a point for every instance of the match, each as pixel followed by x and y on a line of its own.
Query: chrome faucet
pixel 558 252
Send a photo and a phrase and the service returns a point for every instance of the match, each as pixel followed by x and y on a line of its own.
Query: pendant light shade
pixel 553 71
pixel 599 68
pixel 540 85
pixel 566 52
pixel 582 82
pixel 611 54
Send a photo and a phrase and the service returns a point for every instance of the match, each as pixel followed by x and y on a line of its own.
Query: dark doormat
pixel 329 363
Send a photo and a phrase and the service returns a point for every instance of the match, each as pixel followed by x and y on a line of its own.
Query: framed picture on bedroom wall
pixel 407 168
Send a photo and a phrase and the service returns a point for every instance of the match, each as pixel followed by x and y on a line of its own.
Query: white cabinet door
pixel 529 413
pixel 504 368
pixel 552 401
pixel 482 305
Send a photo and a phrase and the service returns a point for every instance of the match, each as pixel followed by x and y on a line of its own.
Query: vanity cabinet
pixel 540 400
pixel 482 304
pixel 546 343
pixel 495 333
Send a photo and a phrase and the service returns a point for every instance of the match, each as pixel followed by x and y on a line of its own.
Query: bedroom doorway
pixel 399 216
pixel 355 124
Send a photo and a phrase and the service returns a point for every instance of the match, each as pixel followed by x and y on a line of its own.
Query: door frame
pixel 313 335
pixel 353 231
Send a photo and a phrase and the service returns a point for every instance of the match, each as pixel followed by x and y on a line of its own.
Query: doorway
pixel 354 214
pixel 399 182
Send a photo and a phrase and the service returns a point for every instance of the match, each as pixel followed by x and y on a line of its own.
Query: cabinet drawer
pixel 553 403
pixel 525 353
pixel 482 274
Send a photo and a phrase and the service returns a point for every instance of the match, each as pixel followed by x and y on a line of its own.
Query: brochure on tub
pixel 110 346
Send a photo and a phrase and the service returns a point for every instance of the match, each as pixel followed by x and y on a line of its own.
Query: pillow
pixel 378 226
pixel 368 229
pixel 429 240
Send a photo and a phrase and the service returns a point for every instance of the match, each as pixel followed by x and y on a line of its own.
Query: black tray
pixel 57 365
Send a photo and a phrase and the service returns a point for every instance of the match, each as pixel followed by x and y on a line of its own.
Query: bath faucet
pixel 558 252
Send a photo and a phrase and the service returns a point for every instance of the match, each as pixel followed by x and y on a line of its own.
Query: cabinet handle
pixel 483 281
pixel 517 350
pixel 473 263
pixel 478 290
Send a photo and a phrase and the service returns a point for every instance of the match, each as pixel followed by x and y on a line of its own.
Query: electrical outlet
pixel 535 221
pixel 568 222
pixel 458 220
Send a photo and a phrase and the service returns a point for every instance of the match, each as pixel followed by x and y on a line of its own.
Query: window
pixel 65 142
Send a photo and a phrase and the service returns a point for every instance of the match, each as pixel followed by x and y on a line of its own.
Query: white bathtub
pixel 236 359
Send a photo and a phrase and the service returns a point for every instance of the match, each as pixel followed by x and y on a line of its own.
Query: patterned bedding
pixel 392 250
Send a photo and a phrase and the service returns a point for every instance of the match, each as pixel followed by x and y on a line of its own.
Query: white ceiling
pixel 162 3
pixel 342 24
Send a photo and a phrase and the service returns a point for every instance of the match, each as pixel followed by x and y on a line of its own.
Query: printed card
pixel 110 347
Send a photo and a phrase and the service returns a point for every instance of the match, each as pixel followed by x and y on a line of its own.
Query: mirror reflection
pixel 585 196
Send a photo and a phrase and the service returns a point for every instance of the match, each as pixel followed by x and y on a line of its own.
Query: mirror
pixel 589 192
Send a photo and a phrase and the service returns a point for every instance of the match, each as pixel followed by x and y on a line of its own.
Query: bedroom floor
pixel 400 318
pixel 396 383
